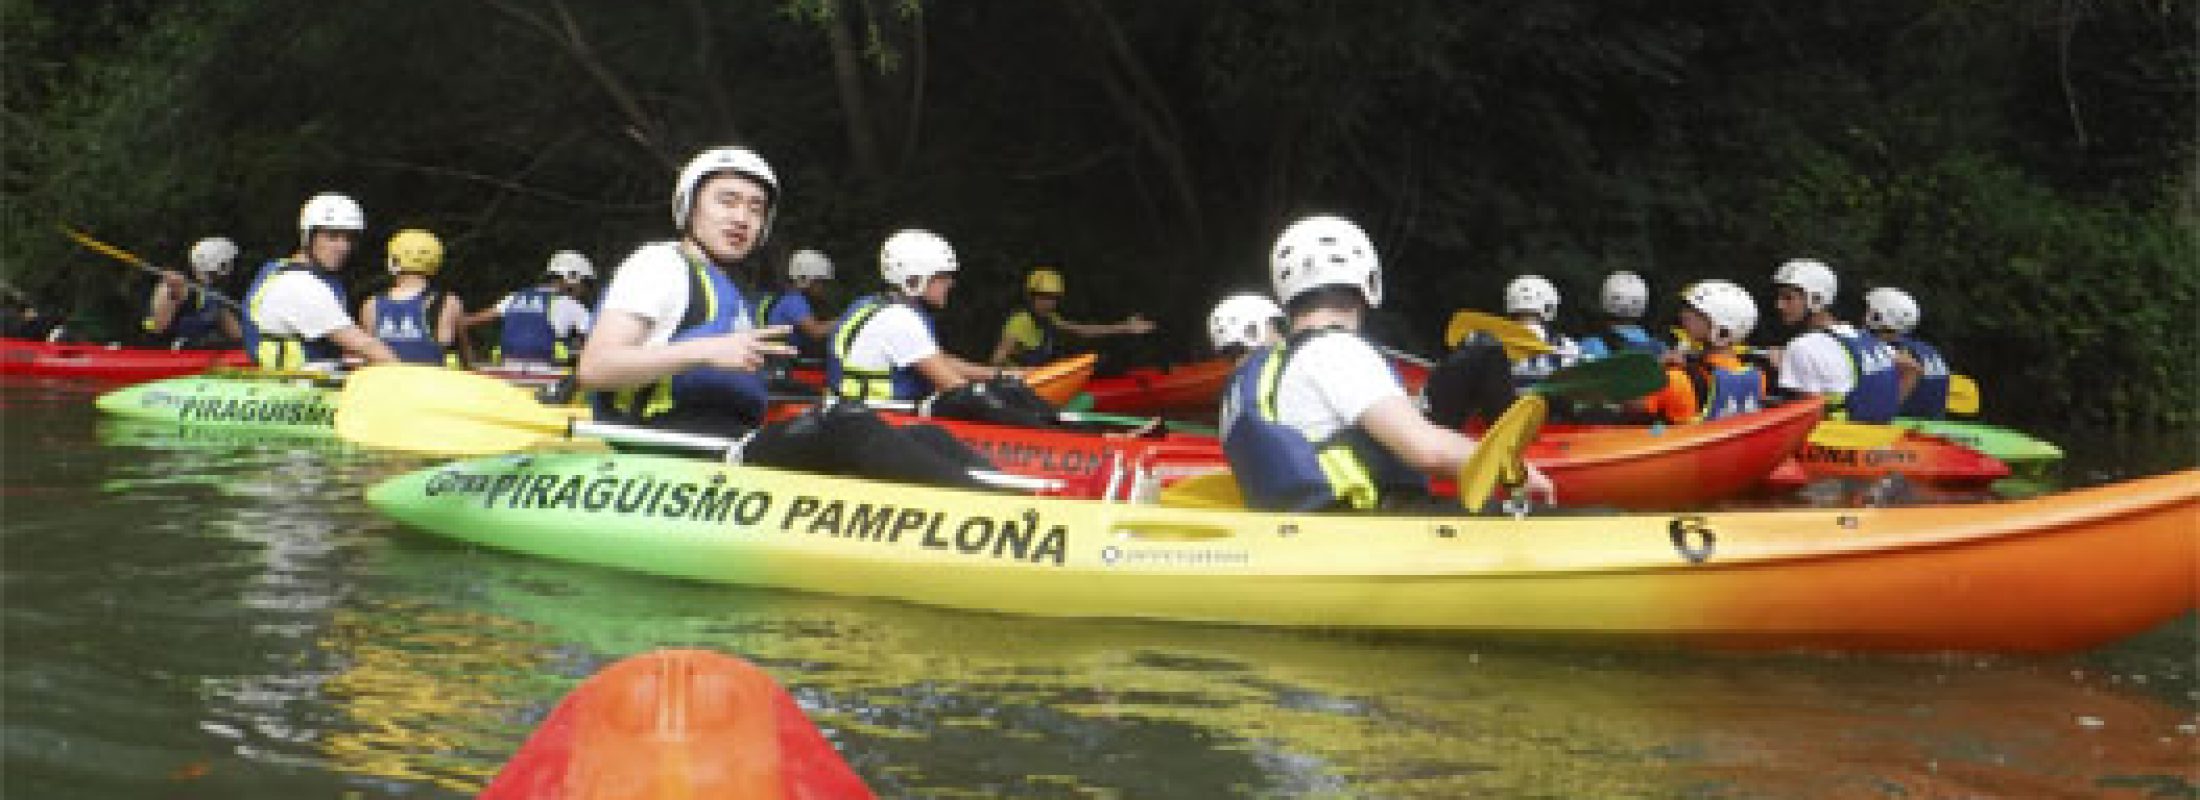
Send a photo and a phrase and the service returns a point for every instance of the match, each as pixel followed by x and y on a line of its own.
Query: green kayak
pixel 2013 447
pixel 292 406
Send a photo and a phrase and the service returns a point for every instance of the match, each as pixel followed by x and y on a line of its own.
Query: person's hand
pixel 1015 373
pixel 1135 325
pixel 1672 359
pixel 174 281
pixel 745 351
pixel 1538 486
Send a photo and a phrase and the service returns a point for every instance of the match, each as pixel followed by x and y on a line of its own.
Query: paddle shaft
pixel 135 260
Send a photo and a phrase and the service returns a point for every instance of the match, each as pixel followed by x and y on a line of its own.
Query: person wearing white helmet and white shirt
pixel 1244 322
pixel 294 312
pixel 1623 300
pixel 1320 421
pixel 675 342
pixel 544 324
pixel 799 301
pixel 884 348
pixel 1855 373
pixel 1892 315
pixel 1532 300
pixel 1711 381
pixel 192 314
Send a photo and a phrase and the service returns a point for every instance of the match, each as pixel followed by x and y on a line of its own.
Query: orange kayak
pixel 1622 467
pixel 676 724
pixel 1056 381
pixel 1922 459
pixel 1186 387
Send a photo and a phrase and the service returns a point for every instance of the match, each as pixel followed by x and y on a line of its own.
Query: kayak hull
pixel 1185 388
pixel 2009 446
pixel 100 362
pixel 2052 573
pixel 1924 460
pixel 1056 382
pixel 292 406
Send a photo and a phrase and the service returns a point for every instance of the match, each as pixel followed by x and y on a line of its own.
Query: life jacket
pixel 775 309
pixel 526 334
pixel 1527 372
pixel 1928 398
pixel 288 352
pixel 1279 469
pixel 1723 391
pixel 1050 339
pixel 1622 337
pixel 715 306
pixel 859 383
pixel 408 325
pixel 1877 395
pixel 197 318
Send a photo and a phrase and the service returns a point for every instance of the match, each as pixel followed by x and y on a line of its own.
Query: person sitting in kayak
pixel 884 348
pixel 798 304
pixel 675 343
pixel 1892 314
pixel 182 315
pixel 1532 301
pixel 1624 298
pixel 1244 322
pixel 546 323
pixel 1711 381
pixel 294 312
pixel 415 316
pixel 1320 421
pixel 1859 376
pixel 1033 334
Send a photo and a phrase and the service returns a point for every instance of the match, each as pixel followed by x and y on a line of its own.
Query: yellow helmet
pixel 1044 281
pixel 415 250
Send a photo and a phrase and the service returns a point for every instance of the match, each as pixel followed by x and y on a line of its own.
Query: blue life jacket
pixel 787 307
pixel 715 306
pixel 1622 337
pixel 197 318
pixel 1723 392
pixel 1928 398
pixel 1528 372
pixel 408 325
pixel 891 383
pixel 526 334
pixel 1279 469
pixel 1877 395
pixel 287 352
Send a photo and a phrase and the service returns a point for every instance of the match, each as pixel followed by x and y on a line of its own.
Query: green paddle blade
pixel 1496 458
pixel 1845 435
pixel 1962 395
pixel 444 412
pixel 1615 378
pixel 1519 342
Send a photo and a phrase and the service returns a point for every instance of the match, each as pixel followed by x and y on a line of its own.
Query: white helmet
pixel 1813 277
pixel 738 160
pixel 333 211
pixel 1325 251
pixel 571 266
pixel 1245 319
pixel 212 256
pixel 1732 312
pixel 809 264
pixel 910 256
pixel 1889 309
pixel 1532 294
pixel 1625 295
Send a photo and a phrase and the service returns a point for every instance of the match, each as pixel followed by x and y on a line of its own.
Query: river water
pixel 211 618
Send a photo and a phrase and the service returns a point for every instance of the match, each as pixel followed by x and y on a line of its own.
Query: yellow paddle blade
pixel 425 409
pixel 104 248
pixel 1518 340
pixel 1843 435
pixel 1497 458
pixel 1962 395
pixel 1211 490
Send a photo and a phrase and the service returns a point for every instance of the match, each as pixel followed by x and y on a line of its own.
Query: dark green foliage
pixel 2025 168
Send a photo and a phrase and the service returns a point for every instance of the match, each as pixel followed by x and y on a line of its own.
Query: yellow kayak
pixel 2052 573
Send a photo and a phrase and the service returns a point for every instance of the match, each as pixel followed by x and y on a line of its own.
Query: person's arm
pixel 231 328
pixel 484 315
pixel 366 311
pixel 1906 370
pixel 1013 339
pixel 356 342
pixel 167 298
pixel 815 328
pixel 1399 427
pixel 1132 325
pixel 453 318
pixel 617 358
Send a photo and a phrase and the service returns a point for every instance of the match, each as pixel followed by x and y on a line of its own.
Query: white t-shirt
pixel 652 283
pixel 1330 382
pixel 295 303
pixel 567 316
pixel 894 337
pixel 1816 363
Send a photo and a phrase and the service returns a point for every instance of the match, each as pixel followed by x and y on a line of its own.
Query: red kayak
pixel 103 362
pixel 677 724
pixel 1920 458
pixel 1190 387
pixel 1055 381
pixel 1625 467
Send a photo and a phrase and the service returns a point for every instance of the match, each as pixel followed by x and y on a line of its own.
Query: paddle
pixel 439 411
pixel 1519 341
pixel 134 260
pixel 1962 395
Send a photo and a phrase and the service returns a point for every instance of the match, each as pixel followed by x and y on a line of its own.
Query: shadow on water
pixel 188 618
